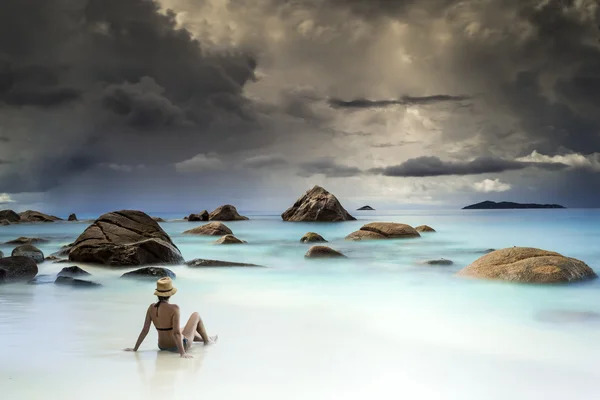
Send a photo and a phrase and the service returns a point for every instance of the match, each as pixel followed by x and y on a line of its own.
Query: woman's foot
pixel 212 340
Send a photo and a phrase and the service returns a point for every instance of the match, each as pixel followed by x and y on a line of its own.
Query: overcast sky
pixel 188 104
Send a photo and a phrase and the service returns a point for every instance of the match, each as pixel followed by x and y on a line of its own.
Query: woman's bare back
pixel 163 317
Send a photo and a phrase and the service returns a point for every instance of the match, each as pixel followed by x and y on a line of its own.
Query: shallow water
pixel 379 324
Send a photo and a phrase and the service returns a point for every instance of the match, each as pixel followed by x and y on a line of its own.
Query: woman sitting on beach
pixel 170 336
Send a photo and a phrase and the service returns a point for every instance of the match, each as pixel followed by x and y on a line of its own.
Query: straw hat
pixel 164 287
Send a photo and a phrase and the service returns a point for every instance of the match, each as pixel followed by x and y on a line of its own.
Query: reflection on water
pixel 377 325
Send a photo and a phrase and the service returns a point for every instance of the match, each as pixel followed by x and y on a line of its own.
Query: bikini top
pixel 157 328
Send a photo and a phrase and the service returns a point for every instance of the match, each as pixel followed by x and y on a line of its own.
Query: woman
pixel 165 317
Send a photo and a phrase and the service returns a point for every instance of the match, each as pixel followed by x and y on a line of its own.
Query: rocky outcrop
pixel 152 273
pixel 18 268
pixel 312 237
pixel 210 229
pixel 323 252
pixel 26 240
pixel 528 265
pixel 76 283
pixel 10 216
pixel 384 230
pixel 30 251
pixel 424 228
pixel 226 213
pixel 365 208
pixel 36 216
pixel 72 217
pixel 202 216
pixel 229 239
pixel 199 262
pixel 123 238
pixel 158 219
pixel 73 271
pixel 317 205
pixel 441 261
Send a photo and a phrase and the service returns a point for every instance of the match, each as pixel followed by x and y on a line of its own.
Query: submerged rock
pixel 202 216
pixel 312 237
pixel 528 265
pixel 210 229
pixel 322 252
pixel 317 204
pixel 123 238
pixel 366 208
pixel 424 228
pixel 229 239
pixel 26 240
pixel 36 216
pixel 384 230
pixel 226 213
pixel 29 250
pixel 18 268
pixel 42 280
pixel 199 262
pixel 441 261
pixel 4 222
pixel 77 283
pixel 73 271
pixel 153 273
pixel 10 216
pixel 72 217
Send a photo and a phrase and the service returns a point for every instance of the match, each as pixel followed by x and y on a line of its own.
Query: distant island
pixel 505 205
pixel 366 208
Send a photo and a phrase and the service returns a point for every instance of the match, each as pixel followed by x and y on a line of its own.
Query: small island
pixel 366 208
pixel 507 205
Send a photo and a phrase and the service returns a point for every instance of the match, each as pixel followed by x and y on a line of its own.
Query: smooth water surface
pixel 379 324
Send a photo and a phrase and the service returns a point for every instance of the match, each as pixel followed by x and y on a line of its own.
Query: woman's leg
pixel 195 328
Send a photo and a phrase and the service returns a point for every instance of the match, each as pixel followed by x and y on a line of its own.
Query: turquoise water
pixel 378 324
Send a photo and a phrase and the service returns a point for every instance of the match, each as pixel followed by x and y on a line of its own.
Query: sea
pixel 379 324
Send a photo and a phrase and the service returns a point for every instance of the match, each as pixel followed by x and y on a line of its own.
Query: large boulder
pixel 9 215
pixel 202 216
pixel 199 262
pixel 424 228
pixel 210 229
pixel 18 268
pixel 323 252
pixel 384 230
pixel 229 239
pixel 26 240
pixel 317 205
pixel 151 273
pixel 73 271
pixel 226 213
pixel 122 238
pixel 528 265
pixel 36 216
pixel 29 250
pixel 72 217
pixel 312 237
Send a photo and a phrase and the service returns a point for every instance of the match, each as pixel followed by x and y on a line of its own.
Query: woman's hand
pixel 129 349
pixel 187 356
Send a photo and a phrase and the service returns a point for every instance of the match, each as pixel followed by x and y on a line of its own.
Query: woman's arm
pixel 177 334
pixel 143 333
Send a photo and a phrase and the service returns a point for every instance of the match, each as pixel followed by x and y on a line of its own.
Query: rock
pixel 36 216
pixel 384 230
pixel 10 216
pixel 18 268
pixel 528 265
pixel 317 205
pixel 3 274
pixel 366 208
pixel 77 283
pixel 73 271
pixel 72 217
pixel 42 280
pixel 202 216
pixel 1 254
pixel 29 250
pixel 210 229
pixel 441 261
pixel 64 251
pixel 186 218
pixel 52 258
pixel 123 238
pixel 226 213
pixel 424 228
pixel 158 219
pixel 229 239
pixel 199 262
pixel 63 261
pixel 312 237
pixel 26 240
pixel 322 252
pixel 4 222
pixel 152 273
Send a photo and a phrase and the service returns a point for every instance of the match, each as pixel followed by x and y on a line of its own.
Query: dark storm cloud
pixel 433 166
pixel 328 167
pixel 404 101
pixel 101 74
